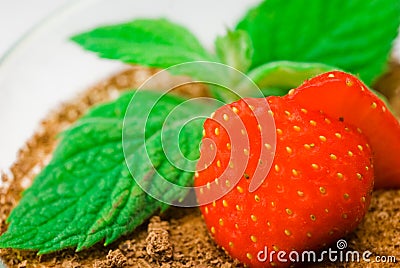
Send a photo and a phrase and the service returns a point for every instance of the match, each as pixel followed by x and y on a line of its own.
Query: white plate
pixel 45 68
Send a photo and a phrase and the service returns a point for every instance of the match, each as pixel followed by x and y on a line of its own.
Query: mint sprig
pixel 149 42
pixel 355 36
pixel 87 193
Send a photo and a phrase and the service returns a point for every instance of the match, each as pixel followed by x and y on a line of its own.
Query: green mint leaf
pixel 86 194
pixel 277 78
pixel 235 49
pixel 148 42
pixel 355 36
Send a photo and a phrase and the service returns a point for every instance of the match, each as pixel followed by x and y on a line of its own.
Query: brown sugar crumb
pixel 158 245
pixel 177 238
pixel 114 259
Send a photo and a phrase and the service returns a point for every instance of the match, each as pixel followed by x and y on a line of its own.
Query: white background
pixel 19 16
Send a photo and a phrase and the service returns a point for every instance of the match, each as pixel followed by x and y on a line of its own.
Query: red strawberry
pixel 317 191
pixel 344 97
